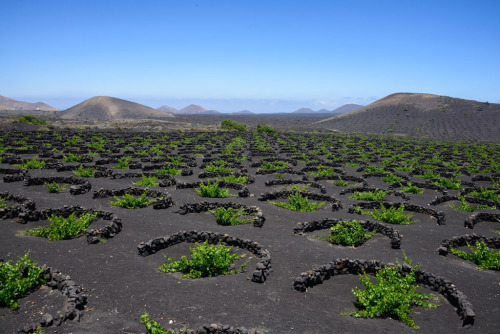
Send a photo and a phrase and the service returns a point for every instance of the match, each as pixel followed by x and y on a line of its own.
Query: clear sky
pixel 258 55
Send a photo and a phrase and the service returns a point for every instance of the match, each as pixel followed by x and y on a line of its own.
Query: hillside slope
pixel 109 108
pixel 20 105
pixel 421 115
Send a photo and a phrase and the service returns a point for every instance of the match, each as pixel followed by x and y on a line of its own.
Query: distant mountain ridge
pixel 192 109
pixel 12 104
pixel 347 108
pixel 339 110
pixel 167 109
pixel 110 108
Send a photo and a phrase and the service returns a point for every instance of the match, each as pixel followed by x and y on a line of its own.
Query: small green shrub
pixel 448 183
pixel 297 202
pixel 348 233
pixel 131 202
pixel 323 171
pixel 230 216
pixel 404 168
pixel 235 179
pixel 212 190
pixel 174 159
pixel 264 128
pixel 18 279
pixel 152 327
pixel 412 189
pixel 341 183
pixel 123 163
pixel 169 171
pixel 392 215
pixel 429 175
pixel 216 168
pixel 64 228
pixel 147 181
pixel 482 255
pixel 54 187
pixel 32 164
pixel 278 164
pixel 393 295
pixel 2 202
pixel 490 194
pixel 391 178
pixel 466 207
pixel 374 169
pixel 206 261
pixel 376 195
pixel 72 157
pixel 232 125
pixel 84 172
pixel 31 119
pixel 352 164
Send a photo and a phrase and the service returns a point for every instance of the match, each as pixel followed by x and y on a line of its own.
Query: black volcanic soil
pixel 120 284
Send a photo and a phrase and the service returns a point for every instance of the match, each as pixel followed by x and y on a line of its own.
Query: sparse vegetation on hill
pixel 232 125
pixel 264 128
pixel 31 119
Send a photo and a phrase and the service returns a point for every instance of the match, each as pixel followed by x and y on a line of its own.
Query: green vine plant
pixel 166 170
pixel 123 163
pixel 391 178
pixel 489 194
pixel 393 295
pixel 84 171
pixel 482 255
pixel 231 216
pixel 64 228
pixel 376 195
pixel 242 179
pixel 32 164
pixel 18 279
pixel 54 187
pixel 3 204
pixel 466 207
pixel 152 327
pixel 348 233
pixel 412 189
pixel 212 190
pixel 131 202
pixel 297 202
pixel 206 261
pixel 275 165
pixel 391 215
pixel 147 181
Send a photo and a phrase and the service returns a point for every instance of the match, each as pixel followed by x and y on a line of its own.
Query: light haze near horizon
pixel 263 56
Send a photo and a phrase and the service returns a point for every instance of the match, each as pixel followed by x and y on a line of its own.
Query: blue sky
pixel 259 55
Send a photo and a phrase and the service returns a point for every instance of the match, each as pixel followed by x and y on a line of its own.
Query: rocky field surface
pixel 295 278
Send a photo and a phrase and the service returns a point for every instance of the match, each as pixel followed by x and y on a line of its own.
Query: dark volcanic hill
pixel 421 115
pixel 20 105
pixel 167 109
pixel 109 108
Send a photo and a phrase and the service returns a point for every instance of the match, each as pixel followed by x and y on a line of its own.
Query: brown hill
pixel 192 109
pixel 421 115
pixel 20 105
pixel 167 109
pixel 109 108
